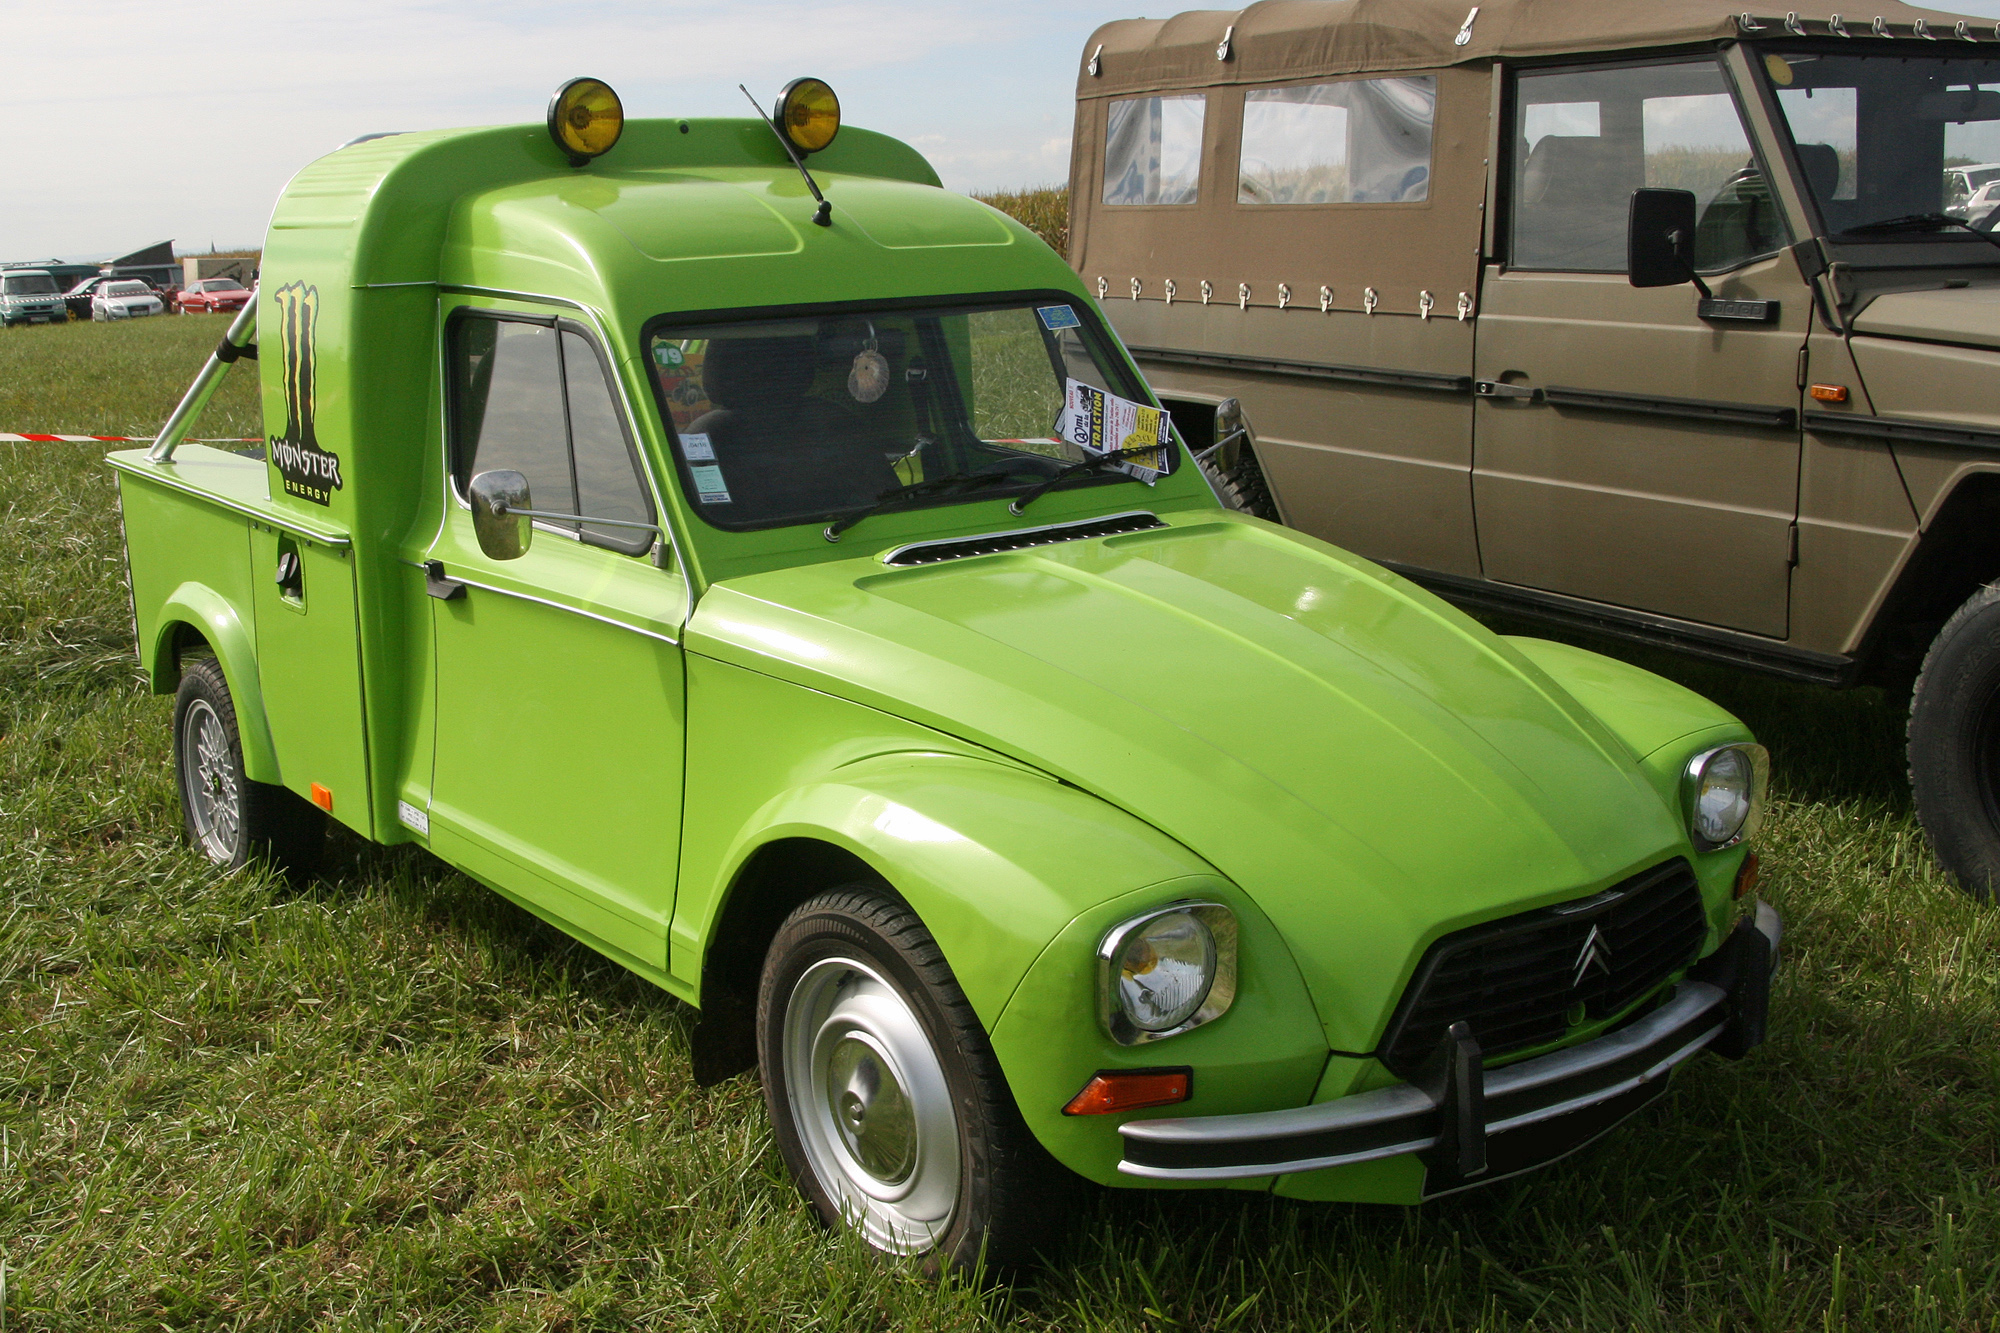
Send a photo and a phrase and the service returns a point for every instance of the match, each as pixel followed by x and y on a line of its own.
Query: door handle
pixel 438 586
pixel 1513 392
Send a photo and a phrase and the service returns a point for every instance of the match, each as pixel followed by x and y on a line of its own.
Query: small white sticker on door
pixel 411 817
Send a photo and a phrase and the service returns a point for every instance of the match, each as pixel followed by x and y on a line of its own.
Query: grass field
pixel 391 1101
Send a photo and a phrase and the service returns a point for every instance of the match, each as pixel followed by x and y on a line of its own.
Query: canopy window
pixel 1362 141
pixel 1584 140
pixel 1152 150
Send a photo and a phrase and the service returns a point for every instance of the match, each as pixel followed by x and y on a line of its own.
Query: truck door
pixel 560 691
pixel 1637 447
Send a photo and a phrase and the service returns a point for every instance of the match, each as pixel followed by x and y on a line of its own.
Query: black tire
pixel 1001 1183
pixel 1243 486
pixel 227 817
pixel 1954 743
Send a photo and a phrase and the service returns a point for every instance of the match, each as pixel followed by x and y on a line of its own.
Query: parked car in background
pixel 1979 208
pixel 30 296
pixel 212 295
pixel 125 298
pixel 1962 183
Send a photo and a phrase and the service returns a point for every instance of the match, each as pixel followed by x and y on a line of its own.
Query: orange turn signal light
pixel 1746 876
pixel 1829 393
pixel 1112 1090
pixel 322 798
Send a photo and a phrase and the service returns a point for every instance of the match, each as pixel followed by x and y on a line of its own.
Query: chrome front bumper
pixel 1470 1126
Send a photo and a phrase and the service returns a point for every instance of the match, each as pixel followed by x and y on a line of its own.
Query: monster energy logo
pixel 310 472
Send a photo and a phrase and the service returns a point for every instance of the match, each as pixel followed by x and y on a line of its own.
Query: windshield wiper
pixel 1918 222
pixel 957 481
pixel 1102 461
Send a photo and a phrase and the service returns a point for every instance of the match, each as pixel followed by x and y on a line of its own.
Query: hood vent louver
pixel 929 553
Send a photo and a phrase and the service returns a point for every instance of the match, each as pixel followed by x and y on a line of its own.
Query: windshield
pixel 29 284
pixel 1889 136
pixel 222 285
pixel 127 289
pixel 797 419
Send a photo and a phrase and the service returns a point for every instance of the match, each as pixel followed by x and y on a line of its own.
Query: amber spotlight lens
pixel 808 115
pixel 585 119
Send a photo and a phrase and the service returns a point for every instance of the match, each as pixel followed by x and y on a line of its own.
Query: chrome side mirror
pixel 496 498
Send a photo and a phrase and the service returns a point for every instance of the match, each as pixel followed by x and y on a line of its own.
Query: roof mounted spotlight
pixel 805 119
pixel 585 119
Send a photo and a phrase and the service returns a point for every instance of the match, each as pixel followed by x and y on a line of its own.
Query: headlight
pixel 1167 971
pixel 1725 794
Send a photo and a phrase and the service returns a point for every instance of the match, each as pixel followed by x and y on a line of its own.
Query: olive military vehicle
pixel 1648 319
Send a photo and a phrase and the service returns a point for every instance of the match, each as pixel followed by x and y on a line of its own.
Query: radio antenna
pixel 824 217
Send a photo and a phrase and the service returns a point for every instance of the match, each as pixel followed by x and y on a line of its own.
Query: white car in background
pixel 127 298
pixel 1979 209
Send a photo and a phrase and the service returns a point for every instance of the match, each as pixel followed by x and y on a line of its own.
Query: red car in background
pixel 211 294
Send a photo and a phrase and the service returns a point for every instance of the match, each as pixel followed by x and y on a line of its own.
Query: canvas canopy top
pixel 1277 40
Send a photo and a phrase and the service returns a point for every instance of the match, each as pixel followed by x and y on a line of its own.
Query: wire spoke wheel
pixel 871 1104
pixel 209 785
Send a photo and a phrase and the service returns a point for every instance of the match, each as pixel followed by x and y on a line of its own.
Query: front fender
pixel 995 858
pixel 1661 723
pixel 210 613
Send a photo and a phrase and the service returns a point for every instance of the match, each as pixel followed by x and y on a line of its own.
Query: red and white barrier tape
pixel 105 439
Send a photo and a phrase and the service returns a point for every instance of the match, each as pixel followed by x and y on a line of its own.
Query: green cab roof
pixel 680 215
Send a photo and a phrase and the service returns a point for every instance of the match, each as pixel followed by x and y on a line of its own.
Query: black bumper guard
pixel 1472 1126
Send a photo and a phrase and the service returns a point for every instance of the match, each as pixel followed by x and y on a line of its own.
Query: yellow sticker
pixel 1781 72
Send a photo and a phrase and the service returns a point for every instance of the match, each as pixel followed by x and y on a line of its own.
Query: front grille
pixel 1527 979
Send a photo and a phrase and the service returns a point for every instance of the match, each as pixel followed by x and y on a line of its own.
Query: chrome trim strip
pixel 889 557
pixel 556 606
pixel 503 294
pixel 1693 1001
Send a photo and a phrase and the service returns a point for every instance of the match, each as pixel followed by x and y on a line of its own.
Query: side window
pixel 531 397
pixel 1365 141
pixel 1152 150
pixel 1585 139
pixel 608 482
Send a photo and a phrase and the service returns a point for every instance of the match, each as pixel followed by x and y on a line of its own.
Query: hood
pixel 1968 316
pixel 1370 765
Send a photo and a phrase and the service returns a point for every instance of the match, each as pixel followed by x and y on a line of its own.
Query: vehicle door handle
pixel 438 586
pixel 1515 392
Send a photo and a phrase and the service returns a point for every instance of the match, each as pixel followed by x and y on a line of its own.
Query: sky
pixel 147 121
pixel 150 120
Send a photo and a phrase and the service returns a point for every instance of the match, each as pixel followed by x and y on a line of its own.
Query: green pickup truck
pixel 771 569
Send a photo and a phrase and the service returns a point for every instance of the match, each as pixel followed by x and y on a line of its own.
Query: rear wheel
pixel 1954 743
pixel 884 1094
pixel 227 817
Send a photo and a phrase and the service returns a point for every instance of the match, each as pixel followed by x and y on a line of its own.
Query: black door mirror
pixel 1659 240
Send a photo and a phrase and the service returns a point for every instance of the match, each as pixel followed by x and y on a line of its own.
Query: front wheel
pixel 1954 743
pixel 884 1093
pixel 229 818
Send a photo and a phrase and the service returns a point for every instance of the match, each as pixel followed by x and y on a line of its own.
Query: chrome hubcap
pixel 208 782
pixel 871 1105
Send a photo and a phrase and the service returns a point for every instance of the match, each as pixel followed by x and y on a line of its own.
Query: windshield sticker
pixel 709 487
pixel 1100 423
pixel 309 472
pixel 1058 317
pixel 696 448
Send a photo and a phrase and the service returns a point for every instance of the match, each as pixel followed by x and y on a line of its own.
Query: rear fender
pixel 209 614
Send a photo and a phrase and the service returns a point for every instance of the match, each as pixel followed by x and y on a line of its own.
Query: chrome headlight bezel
pixel 1220 924
pixel 1692 777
